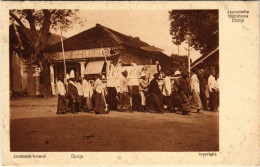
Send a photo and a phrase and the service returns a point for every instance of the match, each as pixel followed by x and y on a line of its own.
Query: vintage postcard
pixel 130 83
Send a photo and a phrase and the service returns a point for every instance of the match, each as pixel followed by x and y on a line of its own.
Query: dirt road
pixel 34 126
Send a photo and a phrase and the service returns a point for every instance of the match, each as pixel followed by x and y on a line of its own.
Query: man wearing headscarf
pixel 124 98
pixel 195 90
pixel 175 98
pixel 183 88
pixel 99 96
pixel 156 96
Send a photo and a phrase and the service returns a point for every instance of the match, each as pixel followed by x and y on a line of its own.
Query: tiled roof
pixel 96 37
pixel 203 57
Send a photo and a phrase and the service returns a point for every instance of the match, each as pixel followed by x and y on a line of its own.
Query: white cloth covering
pixel 195 84
pixel 61 88
pixel 98 86
pixel 87 88
pixel 167 86
pixel 79 88
pixel 211 83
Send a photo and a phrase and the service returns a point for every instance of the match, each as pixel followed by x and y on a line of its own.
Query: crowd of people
pixel 168 91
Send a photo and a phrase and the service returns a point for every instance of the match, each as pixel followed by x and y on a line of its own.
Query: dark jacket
pixel 72 91
pixel 154 88
pixel 183 86
pixel 203 82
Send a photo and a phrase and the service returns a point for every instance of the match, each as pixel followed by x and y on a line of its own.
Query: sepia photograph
pixel 130 83
pixel 114 80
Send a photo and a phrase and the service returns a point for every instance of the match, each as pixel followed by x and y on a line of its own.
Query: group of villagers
pixel 166 92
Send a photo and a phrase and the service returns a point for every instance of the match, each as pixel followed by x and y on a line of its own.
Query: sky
pixel 151 26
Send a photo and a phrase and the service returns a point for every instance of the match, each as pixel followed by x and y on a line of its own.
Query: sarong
pixel 195 101
pixel 89 104
pixel 217 99
pixel 213 100
pixel 143 97
pixel 185 102
pixel 62 104
pixel 124 100
pixel 112 98
pixel 167 101
pixel 156 102
pixel 74 104
pixel 175 99
pixel 100 106
pixel 81 101
pixel 203 98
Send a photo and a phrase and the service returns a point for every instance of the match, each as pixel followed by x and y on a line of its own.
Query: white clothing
pixel 123 85
pixel 195 83
pixel 160 84
pixel 143 98
pixel 72 74
pixel 217 85
pixel 61 88
pixel 79 88
pixel 87 89
pixel 167 86
pixel 98 86
pixel 67 76
pixel 211 83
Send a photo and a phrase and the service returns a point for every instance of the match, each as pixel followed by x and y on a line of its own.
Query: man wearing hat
pixel 124 98
pixel 155 95
pixel 184 93
pixel 175 97
pixel 143 88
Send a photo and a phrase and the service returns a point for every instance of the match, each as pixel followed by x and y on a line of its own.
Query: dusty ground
pixel 34 126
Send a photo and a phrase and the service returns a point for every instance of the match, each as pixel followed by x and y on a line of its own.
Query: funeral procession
pixel 114 80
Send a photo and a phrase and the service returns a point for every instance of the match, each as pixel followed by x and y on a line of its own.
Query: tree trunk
pixel 47 92
pixel 11 73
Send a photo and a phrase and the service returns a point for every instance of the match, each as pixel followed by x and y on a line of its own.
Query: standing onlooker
pixel 73 96
pixel 62 103
pixel 217 92
pixel 124 98
pixel 183 87
pixel 100 103
pixel 80 92
pixel 195 90
pixel 212 91
pixel 143 88
pixel 203 89
pixel 87 93
pixel 166 91
pixel 175 98
pixel 155 95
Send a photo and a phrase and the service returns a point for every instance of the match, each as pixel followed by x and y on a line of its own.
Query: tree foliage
pixel 36 26
pixel 203 25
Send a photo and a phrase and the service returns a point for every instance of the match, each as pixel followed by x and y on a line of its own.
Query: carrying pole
pixel 63 54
